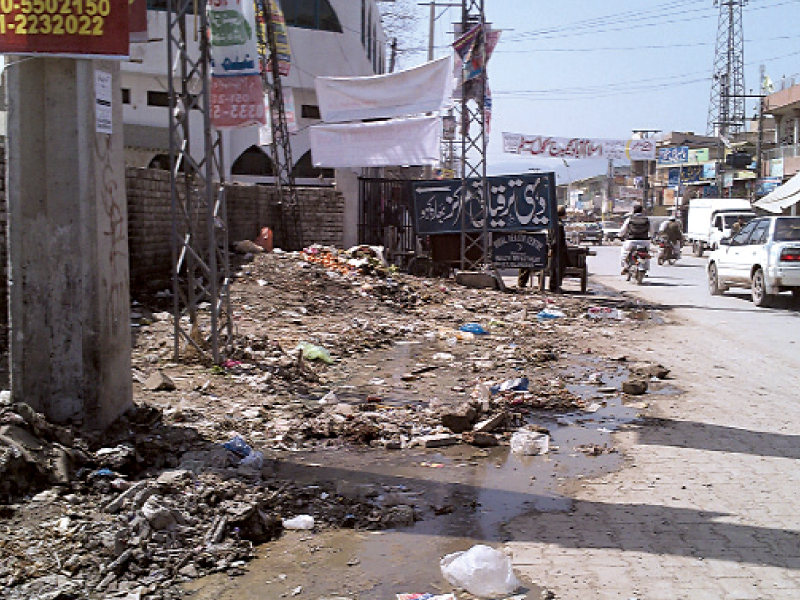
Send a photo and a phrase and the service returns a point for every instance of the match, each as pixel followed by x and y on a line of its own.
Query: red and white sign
pixel 237 101
pixel 65 27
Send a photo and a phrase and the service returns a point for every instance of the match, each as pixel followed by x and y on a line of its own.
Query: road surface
pixel 706 507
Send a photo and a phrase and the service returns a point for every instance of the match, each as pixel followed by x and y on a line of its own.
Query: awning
pixel 782 196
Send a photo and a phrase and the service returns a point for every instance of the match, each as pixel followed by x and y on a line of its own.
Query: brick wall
pixel 249 208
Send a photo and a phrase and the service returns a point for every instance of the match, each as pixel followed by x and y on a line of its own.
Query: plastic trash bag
pixel 530 443
pixel 254 460
pixel 549 314
pixel 481 570
pixel 238 446
pixel 299 522
pixel 312 352
pixel 474 328
pixel 520 384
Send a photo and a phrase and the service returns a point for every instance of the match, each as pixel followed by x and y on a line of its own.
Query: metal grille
pixel 201 268
pixel 386 218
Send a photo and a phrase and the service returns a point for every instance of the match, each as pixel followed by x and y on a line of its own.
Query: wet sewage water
pixel 465 495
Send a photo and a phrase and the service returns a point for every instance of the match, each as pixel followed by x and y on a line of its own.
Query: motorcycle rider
pixel 636 232
pixel 674 235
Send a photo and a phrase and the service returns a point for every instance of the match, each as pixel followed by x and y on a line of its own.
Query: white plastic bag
pixel 530 443
pixel 481 570
pixel 299 522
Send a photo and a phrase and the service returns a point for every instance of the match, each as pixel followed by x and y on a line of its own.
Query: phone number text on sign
pixel 237 101
pixel 80 27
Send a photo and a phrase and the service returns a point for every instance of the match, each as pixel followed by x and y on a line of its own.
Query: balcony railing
pixel 783 152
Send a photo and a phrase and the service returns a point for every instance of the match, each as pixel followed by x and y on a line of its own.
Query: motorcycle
pixel 637 263
pixel 667 252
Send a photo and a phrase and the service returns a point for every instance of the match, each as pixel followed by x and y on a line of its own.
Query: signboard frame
pixel 519 250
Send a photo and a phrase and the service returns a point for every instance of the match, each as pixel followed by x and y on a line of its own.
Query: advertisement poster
pixel 281 39
pixel 102 93
pixel 578 148
pixel 91 28
pixel 237 94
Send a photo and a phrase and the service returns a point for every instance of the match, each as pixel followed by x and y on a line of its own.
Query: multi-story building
pixel 782 161
pixel 327 37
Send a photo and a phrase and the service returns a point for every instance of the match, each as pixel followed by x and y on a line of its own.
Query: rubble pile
pixel 172 491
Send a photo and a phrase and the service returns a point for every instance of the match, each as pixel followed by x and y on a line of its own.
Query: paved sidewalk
pixel 708 506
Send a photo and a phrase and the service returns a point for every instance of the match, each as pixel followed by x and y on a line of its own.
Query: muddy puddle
pixel 463 495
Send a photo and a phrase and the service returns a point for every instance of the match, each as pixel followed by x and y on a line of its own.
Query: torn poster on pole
pixel 237 95
pixel 426 88
pixel 412 141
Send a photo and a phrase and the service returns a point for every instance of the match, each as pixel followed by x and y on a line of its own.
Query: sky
pixel 598 69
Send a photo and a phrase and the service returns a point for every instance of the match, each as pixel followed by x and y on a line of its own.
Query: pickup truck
pixel 711 219
pixel 764 256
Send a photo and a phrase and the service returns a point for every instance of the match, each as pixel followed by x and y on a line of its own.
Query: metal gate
pixel 386 218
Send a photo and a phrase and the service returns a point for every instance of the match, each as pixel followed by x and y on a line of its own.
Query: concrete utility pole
pixel 432 25
pixel 68 240
pixel 646 202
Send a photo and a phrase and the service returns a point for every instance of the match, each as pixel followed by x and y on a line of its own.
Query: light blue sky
pixel 594 68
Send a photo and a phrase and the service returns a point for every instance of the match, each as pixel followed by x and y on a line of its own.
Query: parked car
pixel 592 233
pixel 764 256
pixel 610 230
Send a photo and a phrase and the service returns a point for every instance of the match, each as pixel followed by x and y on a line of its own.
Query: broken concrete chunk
pixel 160 517
pixel 458 418
pixel 436 440
pixel 492 423
pixel 159 382
pixel 634 387
pixel 648 370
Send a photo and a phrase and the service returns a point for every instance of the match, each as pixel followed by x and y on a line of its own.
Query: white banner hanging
pixel 578 148
pixel 412 141
pixel 426 88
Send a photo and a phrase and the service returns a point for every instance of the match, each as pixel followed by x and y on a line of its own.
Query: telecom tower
pixel 726 112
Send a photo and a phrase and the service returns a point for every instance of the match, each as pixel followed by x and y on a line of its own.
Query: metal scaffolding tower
pixel 291 234
pixel 726 113
pixel 474 246
pixel 201 268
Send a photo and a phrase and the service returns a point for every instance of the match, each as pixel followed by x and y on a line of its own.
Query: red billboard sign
pixel 65 27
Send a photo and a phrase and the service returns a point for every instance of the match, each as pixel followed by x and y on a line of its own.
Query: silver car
pixel 764 256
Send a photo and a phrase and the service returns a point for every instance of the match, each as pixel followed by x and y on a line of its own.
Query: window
pixel 787 229
pixel 310 111
pixel 157 98
pixel 311 14
pixel 740 239
pixel 126 96
pixel 760 233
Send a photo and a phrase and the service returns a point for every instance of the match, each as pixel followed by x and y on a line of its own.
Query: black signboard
pixel 519 250
pixel 516 203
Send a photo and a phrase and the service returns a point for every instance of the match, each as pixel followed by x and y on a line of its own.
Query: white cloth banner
pixel 412 141
pixel 555 147
pixel 427 88
pixel 781 197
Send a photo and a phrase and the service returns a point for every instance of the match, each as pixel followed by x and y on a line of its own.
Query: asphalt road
pixel 682 288
pixel 706 506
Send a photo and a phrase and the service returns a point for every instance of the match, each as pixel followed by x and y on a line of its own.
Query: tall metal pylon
pixel 474 246
pixel 201 267
pixel 726 112
pixel 291 233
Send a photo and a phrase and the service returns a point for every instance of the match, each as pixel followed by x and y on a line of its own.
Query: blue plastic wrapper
pixel 546 315
pixel 238 446
pixel 512 385
pixel 475 328
pixel 103 473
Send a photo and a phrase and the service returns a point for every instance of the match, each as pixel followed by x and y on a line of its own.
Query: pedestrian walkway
pixel 707 505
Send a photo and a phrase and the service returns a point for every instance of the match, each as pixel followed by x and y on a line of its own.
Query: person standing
pixel 558 259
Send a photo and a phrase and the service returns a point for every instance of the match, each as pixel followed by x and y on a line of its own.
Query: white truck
pixel 711 219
